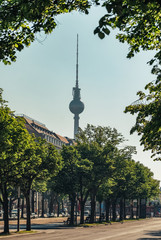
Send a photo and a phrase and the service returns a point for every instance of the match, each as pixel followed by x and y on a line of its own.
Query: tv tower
pixel 76 106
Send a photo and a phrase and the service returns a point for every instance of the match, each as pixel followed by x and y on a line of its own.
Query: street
pixel 149 229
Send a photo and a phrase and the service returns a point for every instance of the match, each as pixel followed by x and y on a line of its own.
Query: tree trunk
pixel 143 208
pixel 114 210
pixel 62 205
pixel 124 208
pixel 58 209
pixel 22 208
pixel 42 202
pixel 82 201
pixel 51 203
pixel 82 212
pixel 33 202
pixel 28 223
pixel 107 206
pixel 5 209
pixel 137 210
pixel 76 211
pixel 10 208
pixel 72 199
pixel 140 208
pixel 121 209
pixel 93 207
pixel 132 212
pixel 100 220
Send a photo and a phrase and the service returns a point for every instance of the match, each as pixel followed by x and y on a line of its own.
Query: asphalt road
pixel 149 229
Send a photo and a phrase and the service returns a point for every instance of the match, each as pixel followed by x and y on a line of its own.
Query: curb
pixel 19 234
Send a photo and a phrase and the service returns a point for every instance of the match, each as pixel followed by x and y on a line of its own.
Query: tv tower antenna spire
pixel 77 65
pixel 76 106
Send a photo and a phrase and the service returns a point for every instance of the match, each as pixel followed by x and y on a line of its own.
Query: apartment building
pixel 40 130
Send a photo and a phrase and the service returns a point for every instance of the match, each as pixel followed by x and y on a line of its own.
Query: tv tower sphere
pixel 76 106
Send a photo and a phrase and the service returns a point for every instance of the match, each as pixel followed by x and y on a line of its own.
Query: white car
pixel 34 215
pixel 86 213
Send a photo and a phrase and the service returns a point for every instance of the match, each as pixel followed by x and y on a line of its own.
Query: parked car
pixel 34 215
pixel 65 214
pixel 14 213
pixel 86 213
pixel 1 213
pixel 50 215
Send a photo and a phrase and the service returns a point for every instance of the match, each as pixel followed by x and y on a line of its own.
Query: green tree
pixel 66 181
pixel 73 178
pixel 40 185
pixel 138 21
pixel 146 186
pixel 104 194
pixel 148 123
pixel 21 20
pixel 123 177
pixel 42 161
pixel 14 139
pixel 139 25
pixel 97 144
pixel 130 180
pixel 84 176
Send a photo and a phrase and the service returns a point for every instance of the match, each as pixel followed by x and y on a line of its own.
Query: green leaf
pixel 101 35
pixel 106 30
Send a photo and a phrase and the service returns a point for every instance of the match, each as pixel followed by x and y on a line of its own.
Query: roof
pixel 30 129
pixel 63 139
pixel 39 125
pixel 38 128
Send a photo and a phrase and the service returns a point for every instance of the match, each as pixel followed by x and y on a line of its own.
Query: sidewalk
pixel 38 226
pixel 38 221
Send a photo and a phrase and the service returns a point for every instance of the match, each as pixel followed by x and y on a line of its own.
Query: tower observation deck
pixel 76 106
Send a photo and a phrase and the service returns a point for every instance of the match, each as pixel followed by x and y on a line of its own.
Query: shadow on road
pixel 154 234
pixel 42 226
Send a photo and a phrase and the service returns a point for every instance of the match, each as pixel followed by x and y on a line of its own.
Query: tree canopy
pixel 42 161
pixel 139 24
pixel 148 124
pixel 98 145
pixel 138 21
pixel 21 20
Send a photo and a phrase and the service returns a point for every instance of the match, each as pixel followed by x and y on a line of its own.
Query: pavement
pixel 38 220
pixel 37 223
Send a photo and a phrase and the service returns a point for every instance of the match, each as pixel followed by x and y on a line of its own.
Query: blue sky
pixel 40 83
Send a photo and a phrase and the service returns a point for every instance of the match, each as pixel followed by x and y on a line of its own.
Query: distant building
pixel 40 130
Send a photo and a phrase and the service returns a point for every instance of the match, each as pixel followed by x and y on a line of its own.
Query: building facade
pixel 40 130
